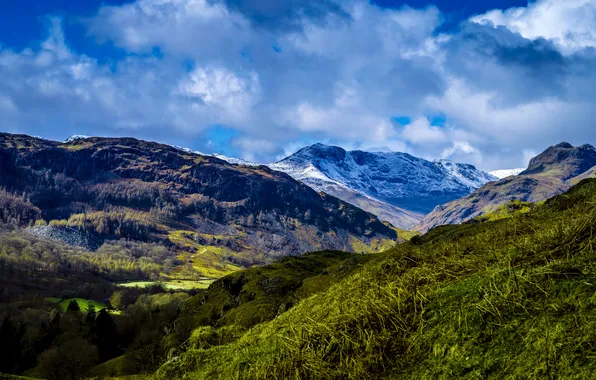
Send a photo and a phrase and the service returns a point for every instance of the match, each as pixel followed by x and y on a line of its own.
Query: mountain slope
pixel 397 187
pixel 437 308
pixel 550 173
pixel 203 206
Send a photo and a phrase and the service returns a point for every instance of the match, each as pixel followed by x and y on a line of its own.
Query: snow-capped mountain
pixel 500 174
pixel 466 174
pixel 75 138
pixel 397 187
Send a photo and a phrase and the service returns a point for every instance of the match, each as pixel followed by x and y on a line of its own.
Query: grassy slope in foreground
pixel 239 301
pixel 511 298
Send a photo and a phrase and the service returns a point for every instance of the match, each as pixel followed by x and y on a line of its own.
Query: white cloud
pixel 190 28
pixel 421 132
pixel 222 89
pixel 337 78
pixel 570 24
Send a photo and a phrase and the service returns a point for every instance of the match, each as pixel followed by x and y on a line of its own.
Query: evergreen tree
pixel 73 306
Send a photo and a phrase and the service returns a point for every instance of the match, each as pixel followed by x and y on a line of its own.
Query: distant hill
pixel 397 187
pixel 123 188
pixel 550 173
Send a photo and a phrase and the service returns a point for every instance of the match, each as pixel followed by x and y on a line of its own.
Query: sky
pixel 490 82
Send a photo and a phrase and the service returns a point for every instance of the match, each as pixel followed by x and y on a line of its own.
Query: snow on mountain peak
pixel 467 174
pixel 397 180
pixel 75 138
pixel 230 160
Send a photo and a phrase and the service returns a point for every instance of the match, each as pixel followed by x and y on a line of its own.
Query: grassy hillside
pixel 512 298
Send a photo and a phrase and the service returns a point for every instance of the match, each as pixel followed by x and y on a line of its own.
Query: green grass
pixel 255 295
pixel 119 366
pixel 207 260
pixel 508 210
pixel 514 298
pixel 14 377
pixel 169 285
pixel 83 303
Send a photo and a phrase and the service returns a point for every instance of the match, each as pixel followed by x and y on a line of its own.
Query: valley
pixel 297 190
pixel 144 260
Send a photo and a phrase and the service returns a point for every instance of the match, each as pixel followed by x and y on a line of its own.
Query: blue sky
pixel 21 22
pixel 487 82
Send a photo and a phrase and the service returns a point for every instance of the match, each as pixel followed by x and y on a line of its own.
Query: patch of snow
pixel 466 174
pixel 75 138
pixel 230 160
pixel 500 174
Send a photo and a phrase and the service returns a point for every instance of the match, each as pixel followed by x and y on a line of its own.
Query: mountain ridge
pixel 397 187
pixel 320 167
pixel 129 188
pixel 550 173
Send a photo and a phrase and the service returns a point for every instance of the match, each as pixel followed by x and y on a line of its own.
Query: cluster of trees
pixel 17 210
pixel 24 256
pixel 119 223
pixel 42 341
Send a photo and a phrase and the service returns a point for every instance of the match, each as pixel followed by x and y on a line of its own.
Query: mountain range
pixel 214 213
pixel 397 187
pixel 403 190
pixel 550 173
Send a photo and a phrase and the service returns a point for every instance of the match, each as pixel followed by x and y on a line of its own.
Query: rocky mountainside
pixel 123 188
pixel 550 173
pixel 397 187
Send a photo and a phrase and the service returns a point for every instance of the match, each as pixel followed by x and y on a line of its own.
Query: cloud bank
pixel 280 74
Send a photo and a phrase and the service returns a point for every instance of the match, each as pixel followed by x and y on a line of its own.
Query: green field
pixel 83 303
pixel 169 285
